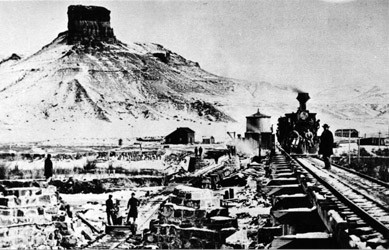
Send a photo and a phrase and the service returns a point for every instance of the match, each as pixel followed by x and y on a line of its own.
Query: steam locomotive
pixel 297 132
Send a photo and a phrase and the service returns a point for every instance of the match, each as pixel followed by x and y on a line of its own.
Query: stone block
pixel 175 220
pixel 187 223
pixel 185 233
pixel 167 211
pixel 266 234
pixel 6 212
pixel 163 245
pixel 28 201
pixel 51 210
pixel 178 213
pixel 171 231
pixel 3 232
pixel 163 230
pixel 226 232
pixel 195 243
pixel 49 190
pixel 176 200
pixel 4 201
pixel 68 242
pixel 220 211
pixel 192 203
pixel 199 223
pixel 45 199
pixel 31 212
pixel 200 213
pixel 161 238
pixel 188 196
pixel 10 201
pixel 219 222
pixel 20 213
pixel 189 214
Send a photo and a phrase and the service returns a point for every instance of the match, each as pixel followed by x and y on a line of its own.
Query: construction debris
pixel 215 205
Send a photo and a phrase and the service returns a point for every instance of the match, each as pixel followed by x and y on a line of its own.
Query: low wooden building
pixel 181 136
pixel 374 141
pixel 208 140
pixel 349 132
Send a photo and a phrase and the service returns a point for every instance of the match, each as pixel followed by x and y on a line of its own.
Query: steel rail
pixel 377 181
pixel 380 227
pixel 383 206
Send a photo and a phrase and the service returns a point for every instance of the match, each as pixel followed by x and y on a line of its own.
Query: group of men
pixel 198 152
pixel 113 209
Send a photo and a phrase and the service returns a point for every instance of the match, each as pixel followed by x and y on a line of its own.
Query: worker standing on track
pixel 326 144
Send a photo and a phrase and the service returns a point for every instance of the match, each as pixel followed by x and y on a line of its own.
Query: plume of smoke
pixel 245 147
pixel 265 126
pixel 296 90
pixel 253 128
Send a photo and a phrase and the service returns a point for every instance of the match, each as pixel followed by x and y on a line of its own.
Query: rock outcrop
pixel 89 25
pixel 13 57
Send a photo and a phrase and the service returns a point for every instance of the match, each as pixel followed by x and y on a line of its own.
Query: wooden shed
pixel 180 136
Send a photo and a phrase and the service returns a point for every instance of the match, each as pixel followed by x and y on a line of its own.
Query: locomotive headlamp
pixel 304 115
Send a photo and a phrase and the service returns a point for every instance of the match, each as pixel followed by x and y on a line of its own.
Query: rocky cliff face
pixel 89 25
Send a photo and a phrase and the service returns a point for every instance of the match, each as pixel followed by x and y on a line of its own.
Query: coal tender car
pixel 297 132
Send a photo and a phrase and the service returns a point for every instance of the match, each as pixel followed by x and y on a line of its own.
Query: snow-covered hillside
pixel 65 90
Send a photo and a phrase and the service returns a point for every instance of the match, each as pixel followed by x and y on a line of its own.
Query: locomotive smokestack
pixel 303 98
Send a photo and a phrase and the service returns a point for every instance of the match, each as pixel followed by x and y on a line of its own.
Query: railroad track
pixel 375 187
pixel 364 196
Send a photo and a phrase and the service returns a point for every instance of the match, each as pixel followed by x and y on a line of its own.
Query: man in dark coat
pixel 133 204
pixel 48 167
pixel 326 144
pixel 109 208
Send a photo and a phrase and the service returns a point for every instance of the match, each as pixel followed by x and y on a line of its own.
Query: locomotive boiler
pixel 297 132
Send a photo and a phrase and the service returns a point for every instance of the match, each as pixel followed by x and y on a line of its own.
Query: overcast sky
pixel 307 43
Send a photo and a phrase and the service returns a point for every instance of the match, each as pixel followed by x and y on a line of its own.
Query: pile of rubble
pixel 33 216
pixel 191 218
pixel 26 215
pixel 250 206
pixel 227 212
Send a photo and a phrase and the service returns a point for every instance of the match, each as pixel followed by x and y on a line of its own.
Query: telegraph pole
pixel 359 149
pixel 349 147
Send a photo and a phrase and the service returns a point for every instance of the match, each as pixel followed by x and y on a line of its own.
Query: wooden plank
pixel 88 224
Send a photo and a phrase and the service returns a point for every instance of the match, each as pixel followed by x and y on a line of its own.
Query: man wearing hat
pixel 109 209
pixel 326 144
